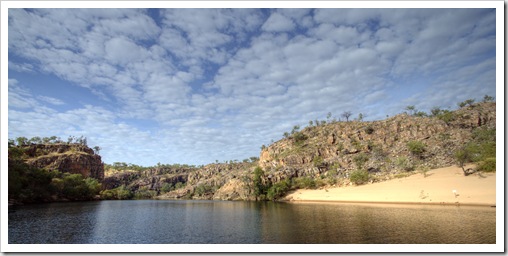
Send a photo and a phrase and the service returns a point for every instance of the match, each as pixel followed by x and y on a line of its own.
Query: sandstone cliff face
pixel 216 181
pixel 384 144
pixel 71 158
pixel 149 179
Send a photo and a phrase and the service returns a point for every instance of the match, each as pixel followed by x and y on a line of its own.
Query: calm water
pixel 225 222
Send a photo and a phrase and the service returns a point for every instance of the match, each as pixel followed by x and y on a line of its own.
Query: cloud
pixel 51 100
pixel 122 51
pixel 195 85
pixel 278 23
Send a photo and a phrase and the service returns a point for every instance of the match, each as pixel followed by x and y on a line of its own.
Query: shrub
pixel 359 177
pixel 119 193
pixel 446 116
pixel 317 161
pixel 144 194
pixel 123 193
pixel 179 185
pixel 278 189
pixel 480 148
pixel 299 138
pixel 416 147
pixel 304 182
pixel 369 129
pixel 404 164
pixel 167 187
pixel 360 160
pixel 487 165
pixel 203 189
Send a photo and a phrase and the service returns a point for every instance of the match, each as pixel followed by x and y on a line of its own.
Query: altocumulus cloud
pixel 199 85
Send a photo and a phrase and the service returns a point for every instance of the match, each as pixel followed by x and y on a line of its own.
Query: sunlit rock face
pixel 340 146
pixel 71 158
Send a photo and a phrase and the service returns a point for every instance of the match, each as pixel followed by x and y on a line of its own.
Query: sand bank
pixel 440 186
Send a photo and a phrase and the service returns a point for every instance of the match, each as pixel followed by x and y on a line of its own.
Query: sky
pixel 193 86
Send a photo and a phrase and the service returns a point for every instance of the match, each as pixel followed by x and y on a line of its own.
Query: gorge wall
pixel 71 158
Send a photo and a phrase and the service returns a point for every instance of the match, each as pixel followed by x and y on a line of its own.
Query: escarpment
pixel 380 147
pixel 71 158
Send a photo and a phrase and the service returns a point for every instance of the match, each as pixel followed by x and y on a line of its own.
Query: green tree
pixel 488 98
pixel 257 180
pixel 411 109
pixel 278 189
pixel 468 102
pixel 22 141
pixel 435 111
pixel 296 128
pixel 96 149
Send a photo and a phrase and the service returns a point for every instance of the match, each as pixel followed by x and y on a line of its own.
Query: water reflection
pixel 191 222
pixel 363 224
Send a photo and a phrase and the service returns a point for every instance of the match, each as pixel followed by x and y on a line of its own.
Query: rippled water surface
pixel 224 222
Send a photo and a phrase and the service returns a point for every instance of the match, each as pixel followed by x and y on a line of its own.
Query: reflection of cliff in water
pixel 228 222
pixel 380 224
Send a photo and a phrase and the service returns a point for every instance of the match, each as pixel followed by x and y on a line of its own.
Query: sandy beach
pixel 440 186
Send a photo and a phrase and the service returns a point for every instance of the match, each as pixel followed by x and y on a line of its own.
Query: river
pixel 227 222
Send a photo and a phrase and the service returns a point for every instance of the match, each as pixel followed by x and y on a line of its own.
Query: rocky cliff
pixel 319 155
pixel 381 147
pixel 71 158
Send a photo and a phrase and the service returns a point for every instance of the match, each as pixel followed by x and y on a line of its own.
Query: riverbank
pixel 446 186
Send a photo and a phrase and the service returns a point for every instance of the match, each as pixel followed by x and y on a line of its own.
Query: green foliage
pixel 360 160
pixel 420 114
pixel 487 165
pixel 416 148
pixel 479 149
pixel 144 194
pixel 119 193
pixel 304 182
pixel 299 138
pixel 317 161
pixel 259 187
pixel 404 164
pixel 167 187
pixel 29 184
pixel 203 189
pixel 488 98
pixel 359 177
pixel 296 128
pixel 411 109
pixel 442 114
pixel 468 102
pixel 278 189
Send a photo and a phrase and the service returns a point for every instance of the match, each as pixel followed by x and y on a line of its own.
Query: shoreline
pixel 441 186
pixel 457 204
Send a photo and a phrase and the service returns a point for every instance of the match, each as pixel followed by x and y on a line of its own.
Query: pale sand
pixel 436 188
